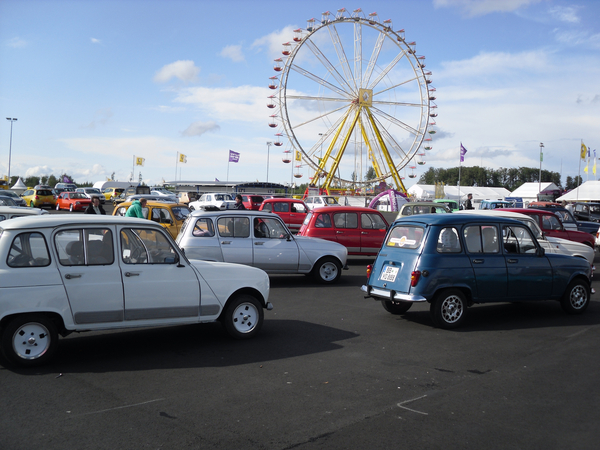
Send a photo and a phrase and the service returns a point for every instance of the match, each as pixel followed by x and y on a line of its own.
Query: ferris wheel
pixel 351 94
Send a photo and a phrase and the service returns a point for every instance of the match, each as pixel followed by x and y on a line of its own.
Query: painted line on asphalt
pixel 413 410
pixel 118 407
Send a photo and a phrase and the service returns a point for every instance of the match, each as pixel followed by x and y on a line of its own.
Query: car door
pixel 156 283
pixel 164 217
pixel 347 232
pixel 298 213
pixel 372 231
pixel 90 274
pixel 529 274
pixel 235 239
pixel 273 246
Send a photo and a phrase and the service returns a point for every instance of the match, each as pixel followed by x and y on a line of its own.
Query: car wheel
pixel 448 309
pixel 576 298
pixel 396 308
pixel 29 340
pixel 71 207
pixel 57 207
pixel 327 270
pixel 243 317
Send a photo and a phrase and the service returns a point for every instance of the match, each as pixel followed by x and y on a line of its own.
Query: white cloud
pixel 565 13
pixel 473 8
pixel 16 42
pixel 101 117
pixel 184 70
pixel 199 128
pixel 168 109
pixel 95 41
pixel 233 52
pixel 274 41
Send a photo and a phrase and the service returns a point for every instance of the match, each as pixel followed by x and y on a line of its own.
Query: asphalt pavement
pixel 330 370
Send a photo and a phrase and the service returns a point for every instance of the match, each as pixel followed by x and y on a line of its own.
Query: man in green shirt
pixel 135 210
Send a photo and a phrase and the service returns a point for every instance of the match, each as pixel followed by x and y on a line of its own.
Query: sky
pixel 95 84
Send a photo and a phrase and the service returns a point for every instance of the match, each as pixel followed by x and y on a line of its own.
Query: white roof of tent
pixel 427 191
pixel 531 190
pixel 588 191
pixel 19 185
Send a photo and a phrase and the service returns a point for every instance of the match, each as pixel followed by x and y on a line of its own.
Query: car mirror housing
pixel 541 251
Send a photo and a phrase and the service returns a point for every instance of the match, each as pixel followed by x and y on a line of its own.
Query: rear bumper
pixel 384 294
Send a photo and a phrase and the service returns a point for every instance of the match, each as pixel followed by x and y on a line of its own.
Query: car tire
pixel 448 309
pixel 71 207
pixel 243 317
pixel 396 308
pixel 577 297
pixel 327 270
pixel 57 207
pixel 29 340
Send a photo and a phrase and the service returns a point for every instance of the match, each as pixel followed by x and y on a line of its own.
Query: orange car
pixel 73 201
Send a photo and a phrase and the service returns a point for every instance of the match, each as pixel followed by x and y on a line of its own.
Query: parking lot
pixel 330 369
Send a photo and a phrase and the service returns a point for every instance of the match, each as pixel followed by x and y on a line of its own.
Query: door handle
pixel 132 274
pixel 363 232
pixel 72 275
pixel 339 232
pixel 259 243
pixel 478 261
pixel 512 261
pixel 225 242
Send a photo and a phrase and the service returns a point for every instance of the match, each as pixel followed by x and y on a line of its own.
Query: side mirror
pixel 541 251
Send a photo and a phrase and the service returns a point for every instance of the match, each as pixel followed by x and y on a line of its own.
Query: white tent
pixel 427 192
pixel 19 187
pixel 587 192
pixel 529 191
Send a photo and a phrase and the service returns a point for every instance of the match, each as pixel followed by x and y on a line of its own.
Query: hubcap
pixel 328 271
pixel 245 317
pixel 452 309
pixel 31 341
pixel 578 297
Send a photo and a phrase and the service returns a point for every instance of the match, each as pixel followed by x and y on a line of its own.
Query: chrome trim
pixel 375 292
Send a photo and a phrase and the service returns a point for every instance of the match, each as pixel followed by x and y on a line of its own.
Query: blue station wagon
pixel 453 261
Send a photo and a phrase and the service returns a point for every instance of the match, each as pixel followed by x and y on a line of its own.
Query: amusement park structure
pixel 350 93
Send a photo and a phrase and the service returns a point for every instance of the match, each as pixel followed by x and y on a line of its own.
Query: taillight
pixel 414 277
pixel 369 270
pixel 37 197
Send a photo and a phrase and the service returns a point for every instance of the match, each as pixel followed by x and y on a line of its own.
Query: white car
pixel 262 240
pixel 164 193
pixel 220 200
pixel 60 274
pixel 551 244
pixel 9 212
pixel 318 201
pixel 91 193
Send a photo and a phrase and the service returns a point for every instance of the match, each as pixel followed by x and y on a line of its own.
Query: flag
pixel 182 158
pixel 139 161
pixel 463 152
pixel 594 168
pixel 217 180
pixel 583 150
pixel 298 156
pixel 234 156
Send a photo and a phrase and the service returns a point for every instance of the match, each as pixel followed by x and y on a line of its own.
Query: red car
pixel 360 230
pixel 252 201
pixel 291 211
pixel 553 227
pixel 73 201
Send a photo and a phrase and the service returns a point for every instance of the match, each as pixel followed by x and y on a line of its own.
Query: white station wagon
pixel 262 240
pixel 60 274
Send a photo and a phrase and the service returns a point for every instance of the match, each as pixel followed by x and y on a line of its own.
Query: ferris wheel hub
pixel 365 97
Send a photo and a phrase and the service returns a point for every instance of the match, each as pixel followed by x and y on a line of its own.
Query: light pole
pixel 541 159
pixel 269 143
pixel 320 160
pixel 10 146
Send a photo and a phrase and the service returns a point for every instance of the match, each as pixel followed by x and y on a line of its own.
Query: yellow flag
pixel 139 161
pixel 182 158
pixel 583 150
pixel 298 156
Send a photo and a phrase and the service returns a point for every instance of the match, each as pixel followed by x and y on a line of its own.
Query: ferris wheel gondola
pixel 352 93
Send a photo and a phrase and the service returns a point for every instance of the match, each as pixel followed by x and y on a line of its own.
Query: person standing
pixel 238 202
pixel 135 210
pixel 95 207
pixel 468 203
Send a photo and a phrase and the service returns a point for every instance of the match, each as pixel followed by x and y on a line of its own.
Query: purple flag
pixel 234 156
pixel 216 179
pixel 463 152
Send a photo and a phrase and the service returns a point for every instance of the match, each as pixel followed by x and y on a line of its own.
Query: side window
pixel 299 208
pixel 448 241
pixel 2 217
pixel 518 240
pixel 28 250
pixel 161 215
pixel 281 207
pixel 473 239
pixel 345 220
pixel 372 222
pixel 143 246
pixel 238 227
pixel 489 235
pixel 269 229
pixel 323 221
pixel 553 223
pixel 121 211
pixel 93 246
pixel 267 207
pixel 204 228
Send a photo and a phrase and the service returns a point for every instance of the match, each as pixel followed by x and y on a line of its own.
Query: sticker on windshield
pixel 389 273
pixel 401 242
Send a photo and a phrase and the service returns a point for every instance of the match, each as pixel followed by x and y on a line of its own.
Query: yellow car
pixel 169 215
pixel 111 193
pixel 38 197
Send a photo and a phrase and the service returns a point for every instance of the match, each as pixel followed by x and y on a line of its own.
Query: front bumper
pixel 392 295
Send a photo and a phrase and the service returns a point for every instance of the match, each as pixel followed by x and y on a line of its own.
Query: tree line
pixel 49 180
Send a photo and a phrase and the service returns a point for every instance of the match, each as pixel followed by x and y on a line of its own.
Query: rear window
pixel 256 198
pixel 405 236
pixel 43 192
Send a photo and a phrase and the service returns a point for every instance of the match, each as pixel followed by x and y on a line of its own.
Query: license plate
pixel 389 273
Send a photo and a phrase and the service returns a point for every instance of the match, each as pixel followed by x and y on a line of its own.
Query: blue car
pixel 453 261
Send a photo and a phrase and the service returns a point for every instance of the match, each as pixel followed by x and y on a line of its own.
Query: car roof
pixel 540 212
pixel 341 208
pixel 500 212
pixel 452 219
pixel 231 212
pixel 155 203
pixel 280 199
pixel 20 210
pixel 55 220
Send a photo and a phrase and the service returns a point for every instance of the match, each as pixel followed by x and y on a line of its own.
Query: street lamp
pixel 541 159
pixel 269 143
pixel 320 160
pixel 10 146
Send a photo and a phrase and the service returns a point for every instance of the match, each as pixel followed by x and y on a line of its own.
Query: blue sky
pixel 94 83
